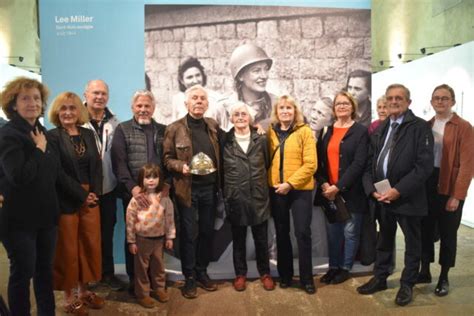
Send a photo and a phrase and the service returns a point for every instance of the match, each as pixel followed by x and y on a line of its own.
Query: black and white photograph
pixel 255 54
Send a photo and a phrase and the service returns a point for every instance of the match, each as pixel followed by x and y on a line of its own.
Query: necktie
pixel 385 150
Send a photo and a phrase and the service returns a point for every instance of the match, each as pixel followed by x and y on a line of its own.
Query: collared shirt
pixel 399 120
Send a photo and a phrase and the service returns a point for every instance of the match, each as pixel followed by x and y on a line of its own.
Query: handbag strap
pixel 279 145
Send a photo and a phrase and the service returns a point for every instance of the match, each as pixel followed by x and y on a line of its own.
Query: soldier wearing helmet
pixel 250 66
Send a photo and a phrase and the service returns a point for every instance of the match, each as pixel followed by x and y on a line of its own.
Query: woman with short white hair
pixel 246 193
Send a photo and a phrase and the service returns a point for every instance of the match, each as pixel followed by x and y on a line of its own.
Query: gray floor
pixel 330 300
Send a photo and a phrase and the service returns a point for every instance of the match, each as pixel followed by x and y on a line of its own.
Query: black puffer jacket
pixel 246 191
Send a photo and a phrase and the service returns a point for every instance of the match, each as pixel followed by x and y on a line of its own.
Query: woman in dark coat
pixel 30 172
pixel 78 255
pixel 246 193
pixel 342 153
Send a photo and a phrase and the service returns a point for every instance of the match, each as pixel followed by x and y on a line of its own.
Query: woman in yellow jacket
pixel 293 163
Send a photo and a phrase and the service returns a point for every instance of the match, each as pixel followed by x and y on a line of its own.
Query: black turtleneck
pixel 202 143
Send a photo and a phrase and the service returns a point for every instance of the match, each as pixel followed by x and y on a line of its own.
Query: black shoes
pixel 374 285
pixel 442 289
pixel 404 295
pixel 309 288
pixel 285 283
pixel 341 277
pixel 423 278
pixel 327 278
pixel 189 289
pixel 206 283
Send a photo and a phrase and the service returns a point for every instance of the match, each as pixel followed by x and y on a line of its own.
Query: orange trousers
pixel 78 252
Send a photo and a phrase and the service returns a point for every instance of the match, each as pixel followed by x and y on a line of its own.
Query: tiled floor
pixel 330 300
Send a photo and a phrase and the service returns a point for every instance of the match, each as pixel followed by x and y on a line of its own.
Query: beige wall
pixel 405 26
pixel 18 33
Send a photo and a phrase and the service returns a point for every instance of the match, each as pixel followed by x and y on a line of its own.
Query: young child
pixel 148 230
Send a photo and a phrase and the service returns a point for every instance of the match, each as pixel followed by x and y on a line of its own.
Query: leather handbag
pixel 336 211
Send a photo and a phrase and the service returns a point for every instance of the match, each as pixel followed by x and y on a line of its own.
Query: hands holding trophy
pixel 201 164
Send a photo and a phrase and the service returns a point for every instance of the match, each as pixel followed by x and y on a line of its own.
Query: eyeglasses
pixel 342 104
pixel 442 99
pixel 240 114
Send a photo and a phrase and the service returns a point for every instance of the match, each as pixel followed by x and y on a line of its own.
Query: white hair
pixel 239 105
pixel 143 93
pixel 195 87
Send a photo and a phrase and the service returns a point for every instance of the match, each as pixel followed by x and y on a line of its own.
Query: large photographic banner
pixel 313 45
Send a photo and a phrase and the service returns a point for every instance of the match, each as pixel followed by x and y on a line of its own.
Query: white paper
pixel 382 186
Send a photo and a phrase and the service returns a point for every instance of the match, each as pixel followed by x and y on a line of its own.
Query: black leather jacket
pixel 246 190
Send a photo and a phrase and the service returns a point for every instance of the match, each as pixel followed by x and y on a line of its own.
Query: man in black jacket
pixel 136 142
pixel 401 152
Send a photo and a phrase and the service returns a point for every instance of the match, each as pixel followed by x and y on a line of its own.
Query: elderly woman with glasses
pixel 246 193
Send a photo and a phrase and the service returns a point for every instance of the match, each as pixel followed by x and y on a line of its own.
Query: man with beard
pixel 136 142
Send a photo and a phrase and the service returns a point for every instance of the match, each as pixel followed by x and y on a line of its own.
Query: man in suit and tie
pixel 401 152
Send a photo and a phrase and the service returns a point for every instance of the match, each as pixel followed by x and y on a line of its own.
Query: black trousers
pixel 197 227
pixel 31 255
pixel 447 223
pixel 260 237
pixel 108 218
pixel 410 226
pixel 300 204
pixel 129 258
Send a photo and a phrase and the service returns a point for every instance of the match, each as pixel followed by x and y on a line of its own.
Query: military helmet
pixel 245 55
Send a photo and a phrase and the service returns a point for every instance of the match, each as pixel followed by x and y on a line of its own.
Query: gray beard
pixel 144 121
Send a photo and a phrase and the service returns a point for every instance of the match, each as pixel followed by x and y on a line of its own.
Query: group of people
pixel 60 189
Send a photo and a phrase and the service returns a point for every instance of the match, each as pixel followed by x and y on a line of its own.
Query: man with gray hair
pixel 399 163
pixel 192 154
pixel 137 142
pixel 103 123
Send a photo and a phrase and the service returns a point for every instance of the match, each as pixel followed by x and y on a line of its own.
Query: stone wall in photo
pixel 313 49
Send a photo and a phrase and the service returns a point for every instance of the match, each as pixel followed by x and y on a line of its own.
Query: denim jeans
pixel 343 256
pixel 197 227
pixel 31 255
